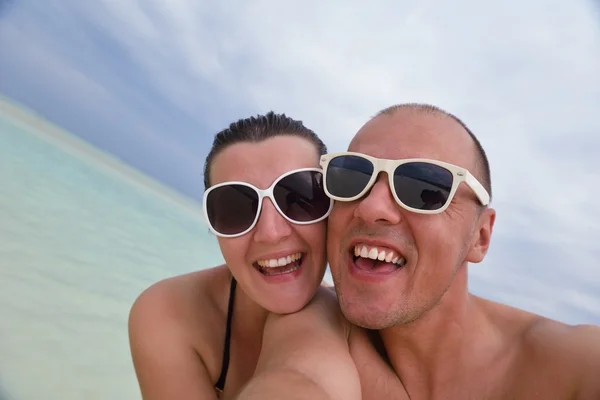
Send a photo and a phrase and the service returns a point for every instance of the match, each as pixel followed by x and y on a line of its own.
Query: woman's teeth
pixel 279 262
pixel 379 253
pixel 279 266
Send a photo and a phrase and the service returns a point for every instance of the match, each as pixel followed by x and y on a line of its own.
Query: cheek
pixel 439 243
pixel 315 235
pixel 337 225
pixel 339 220
pixel 234 251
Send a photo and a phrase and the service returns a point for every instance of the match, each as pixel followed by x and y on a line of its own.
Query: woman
pixel 199 335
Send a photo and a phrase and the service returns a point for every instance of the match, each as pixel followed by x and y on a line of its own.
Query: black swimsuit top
pixel 220 385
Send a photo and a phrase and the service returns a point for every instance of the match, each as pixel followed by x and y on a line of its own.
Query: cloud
pixel 78 77
pixel 523 76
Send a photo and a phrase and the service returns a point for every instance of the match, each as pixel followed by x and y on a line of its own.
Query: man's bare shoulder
pixel 548 355
pixel 574 341
pixel 570 354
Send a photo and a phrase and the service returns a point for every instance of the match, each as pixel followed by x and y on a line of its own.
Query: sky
pixel 152 81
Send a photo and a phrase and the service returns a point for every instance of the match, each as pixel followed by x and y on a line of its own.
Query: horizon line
pixel 107 162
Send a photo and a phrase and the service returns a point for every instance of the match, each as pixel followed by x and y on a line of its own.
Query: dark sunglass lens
pixel 231 209
pixel 301 197
pixel 422 185
pixel 347 176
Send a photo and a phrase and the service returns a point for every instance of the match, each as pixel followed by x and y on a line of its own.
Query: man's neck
pixel 433 355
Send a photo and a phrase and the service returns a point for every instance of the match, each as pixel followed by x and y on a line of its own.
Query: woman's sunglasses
pixel 418 185
pixel 232 208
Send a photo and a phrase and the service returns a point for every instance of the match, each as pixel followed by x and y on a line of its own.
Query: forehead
pixel 413 134
pixel 260 163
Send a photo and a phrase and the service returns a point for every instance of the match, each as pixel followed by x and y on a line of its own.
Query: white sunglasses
pixel 232 208
pixel 419 185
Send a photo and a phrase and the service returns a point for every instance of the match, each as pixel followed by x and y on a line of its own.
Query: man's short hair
pixel 482 160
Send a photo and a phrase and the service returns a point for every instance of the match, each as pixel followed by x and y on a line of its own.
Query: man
pixel 399 250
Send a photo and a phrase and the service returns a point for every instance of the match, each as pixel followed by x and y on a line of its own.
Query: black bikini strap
pixel 225 366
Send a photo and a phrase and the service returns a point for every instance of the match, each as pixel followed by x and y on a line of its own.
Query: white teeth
pixel 270 272
pixel 364 252
pixel 279 262
pixel 375 253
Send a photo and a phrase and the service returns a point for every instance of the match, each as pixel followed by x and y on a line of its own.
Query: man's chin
pixel 366 317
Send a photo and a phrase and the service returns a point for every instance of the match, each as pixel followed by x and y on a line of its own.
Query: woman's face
pixel 288 288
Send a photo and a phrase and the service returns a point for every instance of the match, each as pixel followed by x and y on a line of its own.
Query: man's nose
pixel 379 205
pixel 271 226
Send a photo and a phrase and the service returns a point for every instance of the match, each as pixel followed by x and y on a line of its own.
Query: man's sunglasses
pixel 232 208
pixel 419 185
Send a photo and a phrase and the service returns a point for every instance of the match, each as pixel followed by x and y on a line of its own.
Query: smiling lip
pixel 374 243
pixel 372 276
pixel 282 277
pixel 279 254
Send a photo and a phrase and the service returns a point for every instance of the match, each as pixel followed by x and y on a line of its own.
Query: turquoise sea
pixel 81 235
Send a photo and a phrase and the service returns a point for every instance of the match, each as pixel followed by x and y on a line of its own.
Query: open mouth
pixel 280 266
pixel 376 259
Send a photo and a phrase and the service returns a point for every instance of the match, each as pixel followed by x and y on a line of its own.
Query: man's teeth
pixel 378 253
pixel 279 262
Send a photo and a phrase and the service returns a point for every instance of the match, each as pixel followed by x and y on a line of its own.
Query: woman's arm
pixel 305 355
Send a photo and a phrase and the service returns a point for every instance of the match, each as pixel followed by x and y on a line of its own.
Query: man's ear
pixel 482 236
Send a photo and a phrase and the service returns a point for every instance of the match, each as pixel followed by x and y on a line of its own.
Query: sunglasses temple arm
pixel 478 188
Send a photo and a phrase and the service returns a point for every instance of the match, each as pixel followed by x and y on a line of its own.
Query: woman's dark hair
pixel 257 129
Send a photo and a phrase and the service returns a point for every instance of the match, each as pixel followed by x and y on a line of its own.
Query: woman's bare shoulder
pixel 183 312
pixel 177 296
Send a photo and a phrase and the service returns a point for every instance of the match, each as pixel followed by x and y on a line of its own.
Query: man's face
pixel 430 248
